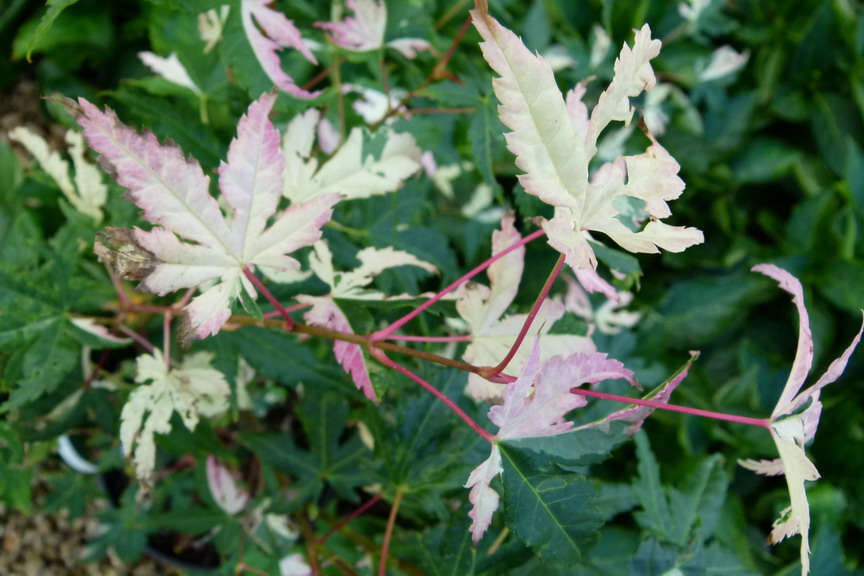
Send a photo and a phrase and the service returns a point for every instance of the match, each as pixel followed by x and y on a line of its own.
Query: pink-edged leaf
pixel 228 496
pixel 171 190
pixel 536 403
pixel 327 314
pixel 835 370
pixel 297 226
pixel 174 192
pixel 251 179
pixel 409 47
pixel 791 430
pixel 635 415
pixel 484 307
pixel 547 146
pixel 482 496
pixel 804 353
pixel 278 33
pixel 364 30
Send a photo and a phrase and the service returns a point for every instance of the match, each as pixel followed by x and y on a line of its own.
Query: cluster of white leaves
pixel 324 311
pixel 492 333
pixel 84 190
pixel 554 140
pixel 173 193
pixel 535 405
pixel 792 428
pixel 193 390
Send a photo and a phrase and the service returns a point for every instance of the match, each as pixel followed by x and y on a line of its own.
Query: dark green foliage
pixel 773 160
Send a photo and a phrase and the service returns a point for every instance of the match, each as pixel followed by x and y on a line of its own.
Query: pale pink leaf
pixel 327 314
pixel 804 353
pixel 364 30
pixel 251 179
pixel 536 403
pixel 482 496
pixel 635 415
pixel 791 430
pixel 174 192
pixel 409 47
pixel 228 496
pixel 171 190
pixel 278 33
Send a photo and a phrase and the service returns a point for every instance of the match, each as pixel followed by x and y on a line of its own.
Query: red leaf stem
pixel 761 422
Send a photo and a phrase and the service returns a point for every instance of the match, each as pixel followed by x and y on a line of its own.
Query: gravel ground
pixel 41 545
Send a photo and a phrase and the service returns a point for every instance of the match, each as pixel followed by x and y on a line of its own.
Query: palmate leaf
pixel 329 459
pixel 685 513
pixel 795 419
pixel 554 141
pixel 535 406
pixel 173 193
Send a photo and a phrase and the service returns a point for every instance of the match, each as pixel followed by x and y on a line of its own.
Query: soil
pixel 43 545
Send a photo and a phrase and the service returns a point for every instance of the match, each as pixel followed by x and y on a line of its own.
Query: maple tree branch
pixel 760 422
pixel 491 373
pixel 387 332
pixel 388 533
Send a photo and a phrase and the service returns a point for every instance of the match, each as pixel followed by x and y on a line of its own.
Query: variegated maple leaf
pixel 325 311
pixel 534 406
pixel 364 30
pixel 192 390
pixel 554 141
pixel 194 241
pixel 270 31
pixel 792 427
pixel 353 171
pixel 85 191
pixel 492 333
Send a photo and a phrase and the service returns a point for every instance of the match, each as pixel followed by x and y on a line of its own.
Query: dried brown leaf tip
pixel 119 248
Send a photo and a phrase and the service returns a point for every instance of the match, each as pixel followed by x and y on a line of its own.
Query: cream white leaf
pixel 554 141
pixel 192 390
